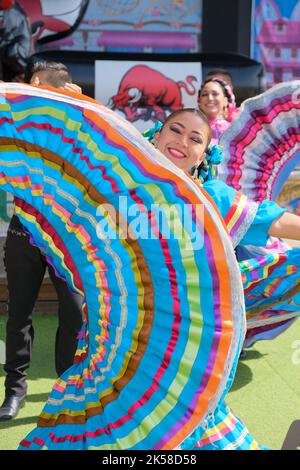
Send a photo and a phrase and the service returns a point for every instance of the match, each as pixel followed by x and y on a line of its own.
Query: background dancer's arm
pixel 286 226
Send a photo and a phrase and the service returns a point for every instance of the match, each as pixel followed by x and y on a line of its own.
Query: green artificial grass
pixel 265 394
pixel 266 390
pixel 41 376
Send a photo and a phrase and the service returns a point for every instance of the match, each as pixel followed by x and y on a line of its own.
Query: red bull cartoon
pixel 49 18
pixel 147 94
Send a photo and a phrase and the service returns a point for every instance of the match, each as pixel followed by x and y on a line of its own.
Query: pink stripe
pixel 5 119
pixel 219 434
pixel 269 158
pixel 39 441
pixel 22 179
pixel 270 269
pixel 25 443
pixel 237 148
pixel 59 388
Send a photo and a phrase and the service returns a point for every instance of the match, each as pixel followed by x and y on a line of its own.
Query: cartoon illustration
pixel 151 90
pixel 49 18
pixel 277 41
pixel 148 10
pixel 174 10
pixel 156 26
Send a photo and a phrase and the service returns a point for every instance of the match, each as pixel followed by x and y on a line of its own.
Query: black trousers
pixel 25 268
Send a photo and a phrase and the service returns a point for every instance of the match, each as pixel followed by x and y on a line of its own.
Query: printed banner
pixel 155 26
pixel 147 92
pixel 51 17
pixel 276 38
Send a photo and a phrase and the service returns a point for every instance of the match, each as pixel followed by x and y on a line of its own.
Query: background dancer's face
pixel 183 139
pixel 212 101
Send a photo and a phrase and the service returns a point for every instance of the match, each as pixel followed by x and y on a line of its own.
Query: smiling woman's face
pixel 183 139
pixel 212 101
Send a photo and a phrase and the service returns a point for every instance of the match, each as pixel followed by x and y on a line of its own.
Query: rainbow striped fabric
pixel 262 145
pixel 222 431
pixel 239 217
pixel 272 293
pixel 163 313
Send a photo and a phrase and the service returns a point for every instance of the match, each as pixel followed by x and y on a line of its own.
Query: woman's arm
pixel 286 226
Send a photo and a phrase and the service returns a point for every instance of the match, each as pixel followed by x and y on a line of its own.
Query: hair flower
pixel 149 133
pixel 214 154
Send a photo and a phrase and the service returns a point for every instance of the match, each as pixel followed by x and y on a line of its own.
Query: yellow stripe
pixel 237 213
pixel 218 428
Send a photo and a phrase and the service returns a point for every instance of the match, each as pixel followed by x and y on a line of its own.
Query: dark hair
pixel 222 84
pixel 223 72
pixel 196 112
pixel 57 73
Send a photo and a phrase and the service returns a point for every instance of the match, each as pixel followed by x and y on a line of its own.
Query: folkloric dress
pixel 164 314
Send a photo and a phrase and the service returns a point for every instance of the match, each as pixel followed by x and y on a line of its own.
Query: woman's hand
pixel 71 87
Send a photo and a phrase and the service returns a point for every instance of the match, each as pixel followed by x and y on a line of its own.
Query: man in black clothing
pixel 25 267
pixel 15 41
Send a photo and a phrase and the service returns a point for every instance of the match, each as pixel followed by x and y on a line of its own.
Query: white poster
pixel 147 92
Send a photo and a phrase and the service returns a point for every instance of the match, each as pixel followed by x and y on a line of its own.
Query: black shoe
pixel 243 354
pixel 11 407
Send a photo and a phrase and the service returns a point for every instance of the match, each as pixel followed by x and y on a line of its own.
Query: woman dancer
pixel 217 101
pixel 163 318
pixel 181 139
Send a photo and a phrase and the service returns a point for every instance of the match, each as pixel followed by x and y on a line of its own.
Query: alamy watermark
pixel 2 344
pixel 134 221
pixel 296 353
